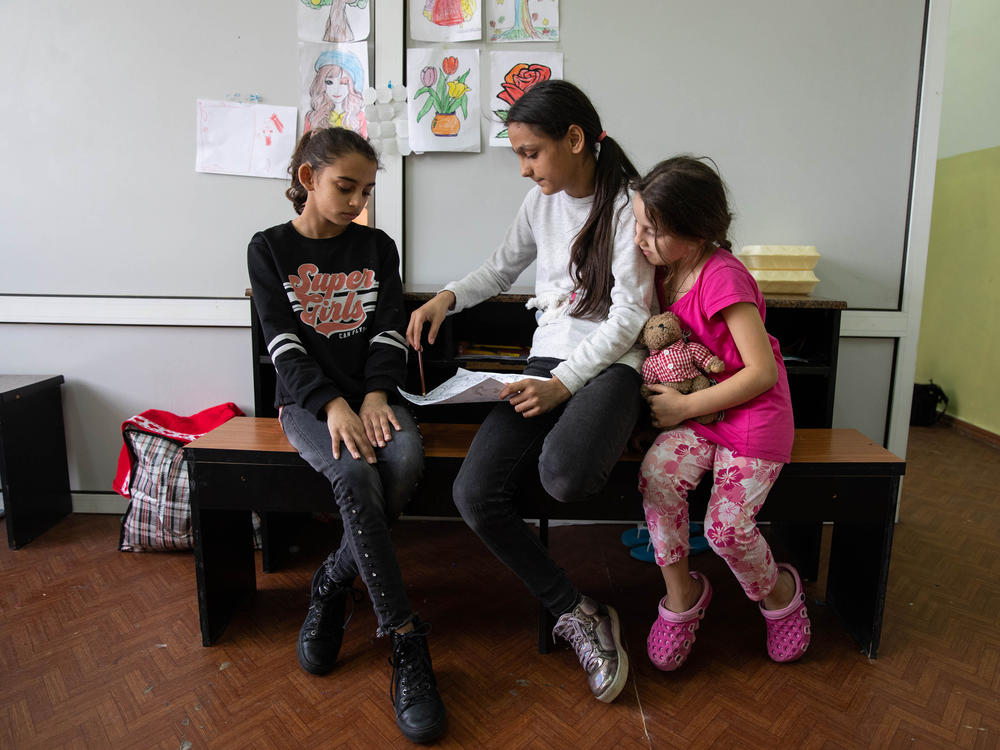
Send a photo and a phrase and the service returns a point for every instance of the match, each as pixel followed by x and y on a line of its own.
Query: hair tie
pixel 602 136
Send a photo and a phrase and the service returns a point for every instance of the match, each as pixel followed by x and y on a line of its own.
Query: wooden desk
pixel 33 470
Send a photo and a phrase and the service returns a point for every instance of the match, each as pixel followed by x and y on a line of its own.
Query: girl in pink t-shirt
pixel 681 222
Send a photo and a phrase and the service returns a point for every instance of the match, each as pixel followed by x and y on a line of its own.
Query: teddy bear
pixel 674 361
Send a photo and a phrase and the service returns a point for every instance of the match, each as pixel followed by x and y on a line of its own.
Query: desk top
pixel 812 446
pixel 10 384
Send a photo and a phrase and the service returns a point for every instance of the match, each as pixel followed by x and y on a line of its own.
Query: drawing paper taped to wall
pixel 244 139
pixel 334 20
pixel 446 20
pixel 522 20
pixel 444 99
pixel 511 74
pixel 333 78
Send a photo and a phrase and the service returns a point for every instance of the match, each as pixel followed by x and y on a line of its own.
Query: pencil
pixel 420 364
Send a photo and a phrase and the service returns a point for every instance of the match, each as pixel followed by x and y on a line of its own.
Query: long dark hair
pixel 685 197
pixel 319 148
pixel 550 108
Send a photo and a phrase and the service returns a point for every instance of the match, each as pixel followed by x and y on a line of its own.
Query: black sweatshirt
pixel 332 314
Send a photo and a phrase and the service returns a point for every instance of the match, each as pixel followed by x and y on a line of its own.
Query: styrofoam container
pixel 784 282
pixel 782 257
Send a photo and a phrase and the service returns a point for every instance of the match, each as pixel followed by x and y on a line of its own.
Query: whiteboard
pixel 99 194
pixel 807 106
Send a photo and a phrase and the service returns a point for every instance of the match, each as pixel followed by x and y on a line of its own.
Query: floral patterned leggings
pixel 672 467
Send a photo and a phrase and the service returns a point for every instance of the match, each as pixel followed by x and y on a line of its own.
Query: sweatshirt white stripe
pixel 392 338
pixel 282 337
pixel 287 347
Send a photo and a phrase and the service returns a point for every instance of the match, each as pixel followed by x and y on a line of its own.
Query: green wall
pixel 960 326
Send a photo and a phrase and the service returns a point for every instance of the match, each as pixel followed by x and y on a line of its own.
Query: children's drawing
pixel 522 20
pixel 333 79
pixel 334 20
pixel 444 96
pixel 444 91
pixel 511 74
pixel 446 20
pixel 256 140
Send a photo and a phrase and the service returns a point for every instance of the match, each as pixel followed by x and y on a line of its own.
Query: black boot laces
pixel 412 674
pixel 320 607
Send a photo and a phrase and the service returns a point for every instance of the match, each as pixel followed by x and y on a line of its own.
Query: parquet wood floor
pixel 101 649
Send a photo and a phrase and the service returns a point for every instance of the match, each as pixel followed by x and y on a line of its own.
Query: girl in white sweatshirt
pixel 595 292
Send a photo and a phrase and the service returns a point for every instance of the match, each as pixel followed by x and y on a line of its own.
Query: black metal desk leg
pixel 224 567
pixel 859 566
pixel 545 623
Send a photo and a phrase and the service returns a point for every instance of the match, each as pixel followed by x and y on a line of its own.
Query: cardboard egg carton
pixel 781 269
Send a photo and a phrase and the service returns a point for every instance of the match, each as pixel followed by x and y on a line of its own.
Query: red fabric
pixel 179 429
pixel 676 362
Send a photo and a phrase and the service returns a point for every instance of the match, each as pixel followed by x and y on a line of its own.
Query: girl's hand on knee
pixel 667 407
pixel 345 426
pixel 531 397
pixel 378 418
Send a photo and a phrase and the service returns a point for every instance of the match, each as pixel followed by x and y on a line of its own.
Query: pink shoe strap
pixel 696 610
pixel 797 598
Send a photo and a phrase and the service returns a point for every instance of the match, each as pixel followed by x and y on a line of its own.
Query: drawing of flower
pixel 456 89
pixel 444 96
pixel 519 79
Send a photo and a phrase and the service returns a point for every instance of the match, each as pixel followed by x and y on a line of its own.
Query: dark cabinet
pixel 807 328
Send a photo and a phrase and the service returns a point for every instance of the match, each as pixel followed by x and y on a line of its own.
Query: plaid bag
pixel 153 474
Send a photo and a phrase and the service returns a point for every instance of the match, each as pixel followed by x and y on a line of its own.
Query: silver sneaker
pixel 594 632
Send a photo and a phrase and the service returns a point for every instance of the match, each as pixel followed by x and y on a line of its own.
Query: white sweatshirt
pixel 543 231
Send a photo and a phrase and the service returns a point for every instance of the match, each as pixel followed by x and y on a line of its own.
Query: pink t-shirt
pixel 763 426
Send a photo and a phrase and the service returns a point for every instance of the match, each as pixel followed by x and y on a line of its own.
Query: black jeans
pixel 573 448
pixel 370 497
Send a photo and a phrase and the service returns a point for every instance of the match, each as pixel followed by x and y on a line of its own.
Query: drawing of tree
pixel 338 28
pixel 523 28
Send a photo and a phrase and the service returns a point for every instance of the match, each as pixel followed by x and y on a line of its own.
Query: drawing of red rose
pixel 520 78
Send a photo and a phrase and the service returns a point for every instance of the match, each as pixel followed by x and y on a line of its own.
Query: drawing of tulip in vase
pixel 519 79
pixel 445 95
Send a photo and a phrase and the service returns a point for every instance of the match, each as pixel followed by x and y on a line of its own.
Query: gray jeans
pixel 573 448
pixel 370 497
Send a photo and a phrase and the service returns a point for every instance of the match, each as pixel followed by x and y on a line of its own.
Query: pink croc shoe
pixel 788 629
pixel 672 635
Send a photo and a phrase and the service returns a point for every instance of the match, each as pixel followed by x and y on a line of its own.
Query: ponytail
pixel 318 148
pixel 551 107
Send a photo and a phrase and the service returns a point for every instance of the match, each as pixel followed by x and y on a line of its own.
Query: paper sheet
pixel 466 387
pixel 244 139
pixel 511 74
pixel 332 81
pixel 443 106
pixel 521 20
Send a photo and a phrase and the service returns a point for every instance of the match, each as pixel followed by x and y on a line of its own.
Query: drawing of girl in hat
pixel 335 93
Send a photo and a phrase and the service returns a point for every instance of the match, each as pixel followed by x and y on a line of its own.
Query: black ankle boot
pixel 419 711
pixel 323 630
